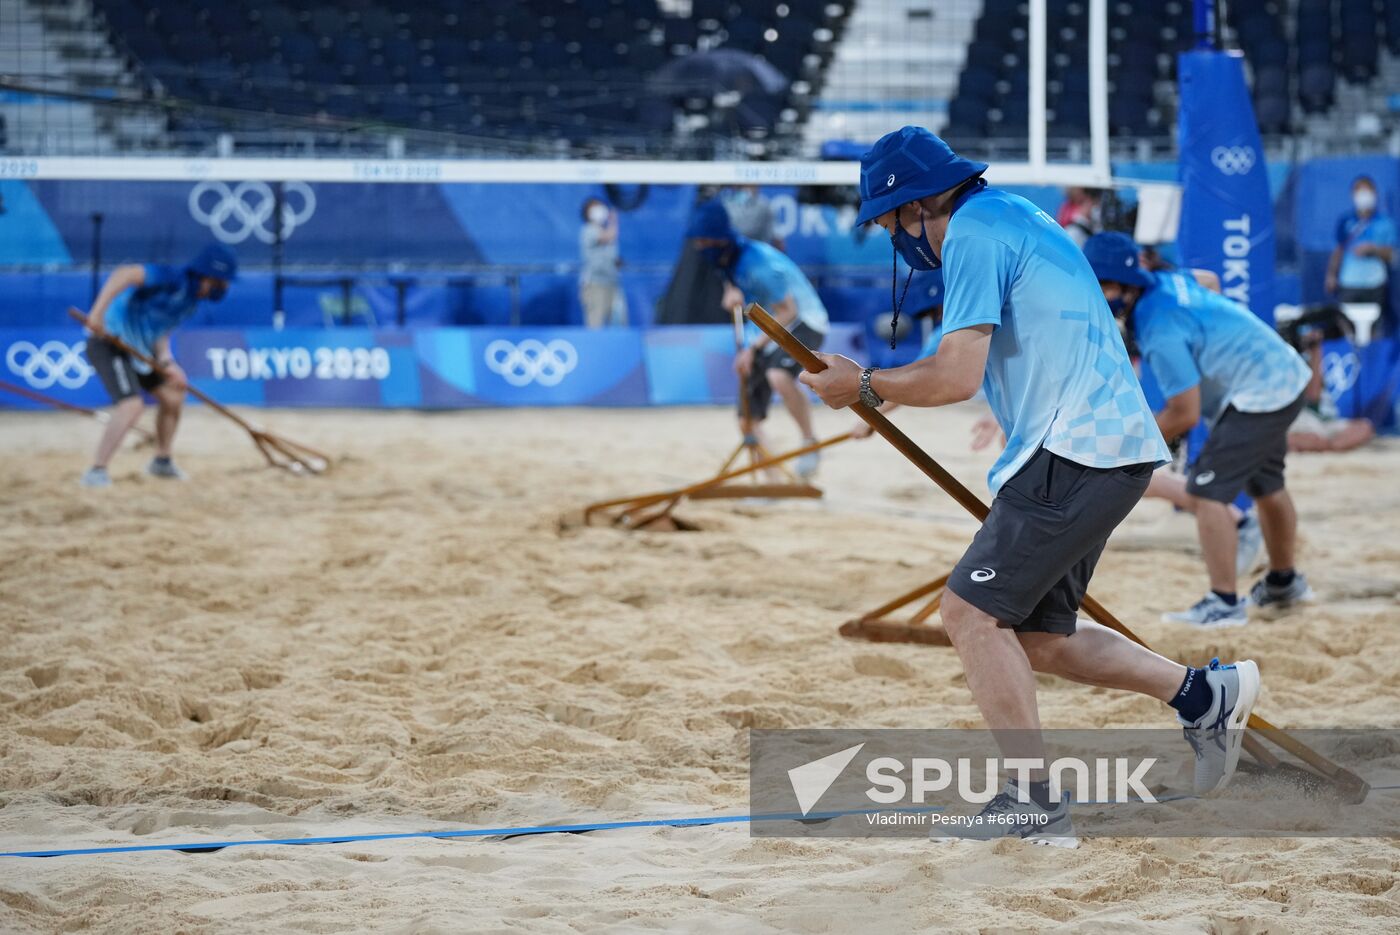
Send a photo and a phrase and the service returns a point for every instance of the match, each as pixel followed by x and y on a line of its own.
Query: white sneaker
pixel 1219 733
pixel 95 477
pixel 807 464
pixel 1210 611
pixel 1250 550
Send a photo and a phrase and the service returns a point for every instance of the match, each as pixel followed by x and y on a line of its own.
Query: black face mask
pixel 217 290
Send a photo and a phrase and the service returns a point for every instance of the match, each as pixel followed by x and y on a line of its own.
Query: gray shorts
pixel 1244 452
pixel 1030 563
pixel 772 357
pixel 118 372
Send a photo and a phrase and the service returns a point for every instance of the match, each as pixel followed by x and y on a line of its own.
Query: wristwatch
pixel 868 396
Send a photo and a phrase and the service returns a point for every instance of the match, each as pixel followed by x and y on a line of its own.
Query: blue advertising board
pixel 428 368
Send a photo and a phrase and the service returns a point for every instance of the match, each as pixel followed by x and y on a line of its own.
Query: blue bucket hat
pixel 1114 258
pixel 907 165
pixel 710 221
pixel 215 262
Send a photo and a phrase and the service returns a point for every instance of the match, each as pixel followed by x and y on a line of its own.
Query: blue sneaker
pixel 1216 737
pixel 1211 612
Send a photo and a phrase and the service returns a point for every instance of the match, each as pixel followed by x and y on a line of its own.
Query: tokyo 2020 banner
pixel 1227 216
pixel 431 368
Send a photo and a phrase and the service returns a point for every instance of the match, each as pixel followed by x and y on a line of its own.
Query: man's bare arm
pixel 1181 413
pixel 950 376
pixel 131 276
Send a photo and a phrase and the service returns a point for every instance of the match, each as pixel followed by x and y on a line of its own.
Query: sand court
pixel 411 643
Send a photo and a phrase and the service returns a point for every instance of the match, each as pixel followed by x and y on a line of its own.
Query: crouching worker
pixel 140 305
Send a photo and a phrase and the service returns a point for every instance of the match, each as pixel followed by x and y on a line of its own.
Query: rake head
pixel 290 456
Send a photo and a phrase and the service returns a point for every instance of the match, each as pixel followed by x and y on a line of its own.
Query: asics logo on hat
pixel 889 181
pixel 982 574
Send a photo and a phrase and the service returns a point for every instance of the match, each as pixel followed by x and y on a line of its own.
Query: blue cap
pixel 710 221
pixel 1114 257
pixel 215 262
pixel 907 165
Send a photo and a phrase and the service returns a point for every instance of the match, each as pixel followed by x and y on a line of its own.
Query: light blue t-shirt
pixel 1058 376
pixel 766 275
pixel 1192 336
pixel 140 317
pixel 1364 272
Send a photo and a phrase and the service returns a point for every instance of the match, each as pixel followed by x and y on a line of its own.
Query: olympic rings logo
pixel 235 214
pixel 51 362
pixel 532 361
pixel 1340 372
pixel 1233 160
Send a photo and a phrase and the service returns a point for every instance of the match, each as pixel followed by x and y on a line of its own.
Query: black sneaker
pixel 1272 597
pixel 164 467
pixel 1005 816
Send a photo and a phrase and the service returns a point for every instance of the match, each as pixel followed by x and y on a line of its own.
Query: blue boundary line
pixel 470 833
pixel 205 846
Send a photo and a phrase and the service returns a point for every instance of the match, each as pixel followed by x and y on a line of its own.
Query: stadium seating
pixel 1332 39
pixel 577 70
pixel 991 98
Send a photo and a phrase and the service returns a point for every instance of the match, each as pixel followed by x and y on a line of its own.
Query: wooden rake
pixel 279 452
pixel 656 511
pixel 1349 786
pixel 874 627
pixel 95 414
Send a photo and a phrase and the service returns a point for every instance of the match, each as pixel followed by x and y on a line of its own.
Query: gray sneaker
pixel 95 477
pixel 1269 597
pixel 164 467
pixel 1217 735
pixel 807 464
pixel 1210 611
pixel 1251 544
pixel 1007 817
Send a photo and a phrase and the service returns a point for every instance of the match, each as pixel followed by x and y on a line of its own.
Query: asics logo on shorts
pixel 52 362
pixel 982 574
pixel 246 210
pixel 1233 160
pixel 532 361
pixel 1205 477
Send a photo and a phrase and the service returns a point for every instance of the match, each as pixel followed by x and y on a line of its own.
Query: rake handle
pixel 68 407
pixel 969 501
pixel 876 420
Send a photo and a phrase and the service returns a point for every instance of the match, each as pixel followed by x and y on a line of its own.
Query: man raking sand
pixel 1024 319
